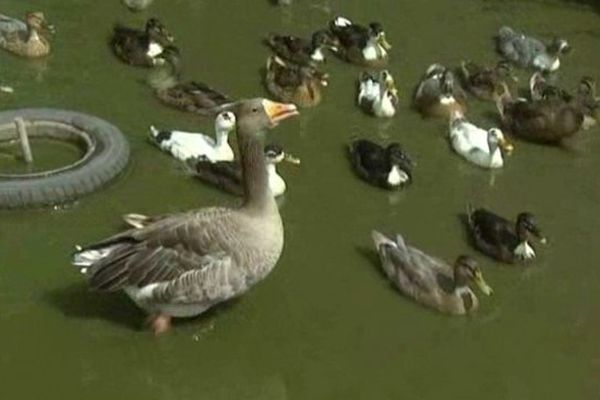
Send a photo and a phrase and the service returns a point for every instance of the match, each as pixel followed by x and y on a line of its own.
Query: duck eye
pixel 255 109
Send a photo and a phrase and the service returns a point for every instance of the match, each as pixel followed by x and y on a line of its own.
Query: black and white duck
pixel 429 280
pixel 141 47
pixel 191 96
pixel 502 239
pixel 438 94
pixel 364 45
pixel 182 264
pixel 529 52
pixel 227 175
pixel 390 167
pixel 302 51
pixel 377 94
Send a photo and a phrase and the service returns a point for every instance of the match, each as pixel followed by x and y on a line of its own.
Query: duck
pixel 26 38
pixel 588 101
pixel 190 96
pixel 529 52
pixel 361 45
pixel 540 89
pixel 390 167
pixel 484 81
pixel 485 148
pixel 137 5
pixel 429 280
pixel 227 175
pixel 502 239
pixel 141 48
pixel 186 145
pixel 181 264
pixel 546 121
pixel 377 94
pixel 301 85
pixel 302 51
pixel 437 94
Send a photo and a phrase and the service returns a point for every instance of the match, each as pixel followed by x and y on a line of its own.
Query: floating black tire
pixel 106 153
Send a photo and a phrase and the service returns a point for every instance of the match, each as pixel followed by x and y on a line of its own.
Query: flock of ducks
pixel 179 265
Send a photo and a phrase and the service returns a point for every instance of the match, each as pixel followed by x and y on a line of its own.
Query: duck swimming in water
pixel 529 52
pixel 141 47
pixel 180 265
pixel 429 280
pixel 481 147
pixel 227 175
pixel 191 96
pixel 501 239
pixel 484 82
pixel 301 51
pixel 186 145
pixel 359 44
pixel 377 94
pixel 389 167
pixel 438 95
pixel 25 38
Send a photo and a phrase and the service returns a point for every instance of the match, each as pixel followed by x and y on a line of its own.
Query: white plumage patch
pixel 342 22
pixel 524 251
pixel 317 55
pixel 397 176
pixel 154 49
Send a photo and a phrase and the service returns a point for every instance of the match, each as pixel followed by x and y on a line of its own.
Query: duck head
pixel 157 32
pixel 537 84
pixel 274 154
pixel 37 21
pixel 527 226
pixel 386 80
pixel 447 87
pixel 376 31
pixel 466 271
pixel 324 39
pixel 496 139
pixel 225 121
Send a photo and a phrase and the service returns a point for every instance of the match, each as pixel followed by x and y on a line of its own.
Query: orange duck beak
pixel 277 112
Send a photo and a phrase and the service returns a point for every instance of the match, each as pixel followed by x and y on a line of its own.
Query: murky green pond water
pixel 325 324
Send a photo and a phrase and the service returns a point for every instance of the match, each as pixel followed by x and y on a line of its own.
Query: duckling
pixel 501 239
pixel 26 39
pixel 141 48
pixel 429 280
pixel 191 96
pixel 377 94
pixel 300 85
pixel 137 5
pixel 481 147
pixel 227 175
pixel 483 81
pixel 389 168
pixel 359 44
pixel 543 121
pixel 301 51
pixel 529 52
pixel 185 145
pixel 437 95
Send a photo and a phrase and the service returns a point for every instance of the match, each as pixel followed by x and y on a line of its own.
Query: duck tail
pixel 340 22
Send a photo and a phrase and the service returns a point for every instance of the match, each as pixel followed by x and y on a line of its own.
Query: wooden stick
pixel 20 123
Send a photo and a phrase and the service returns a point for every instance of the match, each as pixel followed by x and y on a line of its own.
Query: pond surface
pixel 325 324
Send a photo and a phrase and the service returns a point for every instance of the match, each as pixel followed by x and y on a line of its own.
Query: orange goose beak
pixel 277 112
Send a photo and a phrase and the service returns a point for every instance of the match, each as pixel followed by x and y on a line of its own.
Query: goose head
pixel 254 116
pixel 157 32
pixel 376 32
pixel 497 140
pixel 466 271
pixel 37 21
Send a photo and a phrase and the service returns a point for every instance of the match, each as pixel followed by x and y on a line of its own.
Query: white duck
pixel 481 147
pixel 186 145
pixel 378 95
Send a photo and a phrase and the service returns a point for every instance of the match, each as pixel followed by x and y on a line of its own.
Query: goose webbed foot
pixel 159 323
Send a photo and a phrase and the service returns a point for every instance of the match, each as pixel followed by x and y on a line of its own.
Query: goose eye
pixel 255 109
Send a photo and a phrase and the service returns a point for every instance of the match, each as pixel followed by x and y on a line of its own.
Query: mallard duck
pixel 227 175
pixel 484 82
pixel 26 39
pixel 301 85
pixel 544 121
pixel 389 167
pixel 481 147
pixel 588 101
pixel 437 94
pixel 429 280
pixel 501 239
pixel 141 48
pixel 377 94
pixel 137 5
pixel 186 145
pixel 180 265
pixel 359 44
pixel 526 51
pixel 190 96
pixel 301 51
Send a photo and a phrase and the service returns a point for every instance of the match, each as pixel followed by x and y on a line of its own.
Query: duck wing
pixel 11 26
pixel 491 228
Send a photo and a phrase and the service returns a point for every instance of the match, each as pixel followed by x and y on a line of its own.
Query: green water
pixel 48 154
pixel 325 324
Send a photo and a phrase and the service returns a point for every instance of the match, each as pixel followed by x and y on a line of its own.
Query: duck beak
pixel 291 159
pixel 384 43
pixel 506 146
pixel 481 284
pixel 277 112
